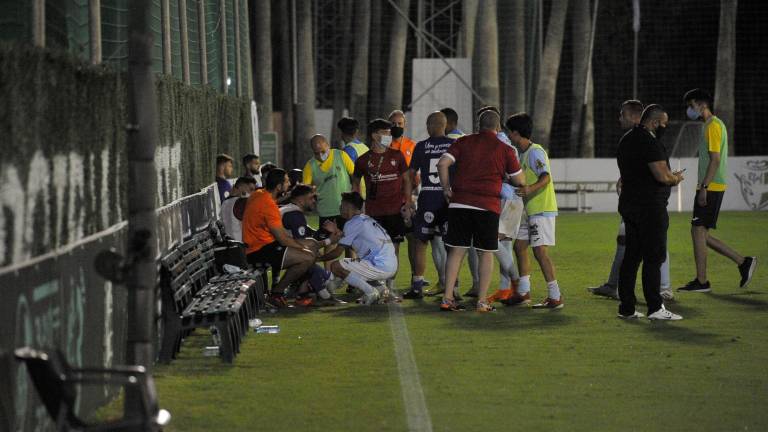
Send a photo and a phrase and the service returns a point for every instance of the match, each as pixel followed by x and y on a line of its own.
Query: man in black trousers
pixel 647 180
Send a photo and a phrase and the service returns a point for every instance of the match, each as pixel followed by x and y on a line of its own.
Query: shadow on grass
pixel 503 319
pixel 673 332
pixel 741 299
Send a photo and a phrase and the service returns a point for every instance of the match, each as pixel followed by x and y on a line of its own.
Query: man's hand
pixel 448 193
pixel 619 185
pixel 701 197
pixel 336 236
pixel 523 191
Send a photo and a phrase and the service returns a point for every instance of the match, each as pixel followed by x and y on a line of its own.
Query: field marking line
pixel 416 412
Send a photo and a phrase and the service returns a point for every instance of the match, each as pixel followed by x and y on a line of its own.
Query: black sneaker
pixel 413 294
pixel 696 286
pixel 747 269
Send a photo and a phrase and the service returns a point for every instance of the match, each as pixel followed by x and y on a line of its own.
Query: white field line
pixel 416 412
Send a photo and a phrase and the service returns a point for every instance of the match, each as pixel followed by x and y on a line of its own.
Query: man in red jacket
pixel 482 162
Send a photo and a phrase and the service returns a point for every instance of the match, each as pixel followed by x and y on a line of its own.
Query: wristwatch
pixel 704 186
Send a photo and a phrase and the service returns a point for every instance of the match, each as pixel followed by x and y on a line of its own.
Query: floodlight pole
pixel 142 188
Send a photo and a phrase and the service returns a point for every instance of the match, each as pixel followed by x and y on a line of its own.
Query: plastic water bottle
pixel 211 351
pixel 254 323
pixel 268 329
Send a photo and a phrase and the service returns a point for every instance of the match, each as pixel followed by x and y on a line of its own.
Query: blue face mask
pixel 692 113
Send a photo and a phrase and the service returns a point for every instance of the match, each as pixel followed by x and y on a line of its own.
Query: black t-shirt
pixel 638 148
pixel 295 222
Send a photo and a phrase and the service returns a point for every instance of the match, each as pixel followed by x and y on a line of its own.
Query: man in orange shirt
pixel 268 242
pixel 406 146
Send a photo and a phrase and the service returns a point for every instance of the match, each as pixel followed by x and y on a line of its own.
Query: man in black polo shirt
pixel 646 179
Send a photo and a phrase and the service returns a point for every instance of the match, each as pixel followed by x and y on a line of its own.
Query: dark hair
pixel 353 198
pixel 300 190
pixel 520 123
pixel 451 115
pixel 295 176
pixel 266 168
pixel 348 125
pixel 222 159
pixel 275 178
pixel 244 181
pixel 632 105
pixel 487 108
pixel 651 111
pixel 248 158
pixel 377 125
pixel 698 95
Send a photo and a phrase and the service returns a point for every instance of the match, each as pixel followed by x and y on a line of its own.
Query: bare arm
pixel 407 177
pixel 662 174
pixel 517 179
pixel 443 165
pixel 282 237
pixel 714 164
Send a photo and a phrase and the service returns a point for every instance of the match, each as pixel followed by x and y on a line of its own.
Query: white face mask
pixel 324 155
pixel 386 140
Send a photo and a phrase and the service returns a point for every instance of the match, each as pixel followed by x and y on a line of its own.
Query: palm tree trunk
pixel 341 82
pixel 376 81
pixel 485 58
pixel 305 97
pixel 286 86
pixel 544 107
pixel 726 65
pixel 262 56
pixel 468 19
pixel 512 23
pixel 582 143
pixel 362 30
pixel 393 92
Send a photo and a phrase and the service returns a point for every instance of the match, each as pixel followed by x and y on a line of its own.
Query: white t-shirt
pixel 232 225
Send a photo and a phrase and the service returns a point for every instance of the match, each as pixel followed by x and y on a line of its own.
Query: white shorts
pixel 509 220
pixel 537 230
pixel 365 269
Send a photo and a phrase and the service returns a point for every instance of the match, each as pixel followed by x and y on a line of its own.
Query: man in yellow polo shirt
pixel 713 172
pixel 329 171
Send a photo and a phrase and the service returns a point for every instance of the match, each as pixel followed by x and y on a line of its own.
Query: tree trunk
pixel 513 71
pixel 286 86
pixel 262 56
pixel 726 65
pixel 393 91
pixel 341 82
pixel 362 29
pixel 376 81
pixel 582 121
pixel 305 97
pixel 544 107
pixel 485 58
pixel 468 19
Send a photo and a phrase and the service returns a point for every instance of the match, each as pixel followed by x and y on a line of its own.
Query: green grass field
pixel 578 369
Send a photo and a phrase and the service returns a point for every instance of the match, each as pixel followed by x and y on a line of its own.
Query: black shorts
pixel 473 228
pixel 394 225
pixel 428 224
pixel 707 216
pixel 272 254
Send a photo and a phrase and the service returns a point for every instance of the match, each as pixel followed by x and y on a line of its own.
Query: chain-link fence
pixel 68 25
pixel 677 50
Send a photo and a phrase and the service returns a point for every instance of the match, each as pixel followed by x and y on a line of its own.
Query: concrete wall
pixel 747 183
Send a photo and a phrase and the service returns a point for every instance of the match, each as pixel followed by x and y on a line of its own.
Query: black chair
pixel 56 383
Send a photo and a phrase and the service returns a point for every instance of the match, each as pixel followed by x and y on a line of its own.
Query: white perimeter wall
pixel 747 183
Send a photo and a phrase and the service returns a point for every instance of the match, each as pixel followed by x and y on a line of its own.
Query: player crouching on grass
pixel 377 261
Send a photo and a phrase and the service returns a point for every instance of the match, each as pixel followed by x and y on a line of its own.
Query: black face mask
pixel 397 132
pixel 660 132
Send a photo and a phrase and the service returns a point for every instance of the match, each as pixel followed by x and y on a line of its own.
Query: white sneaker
pixel 664 314
pixel 635 315
pixel 667 294
pixel 372 298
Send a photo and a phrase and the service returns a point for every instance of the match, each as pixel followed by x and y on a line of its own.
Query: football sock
pixel 554 290
pixel 359 282
pixel 417 279
pixel 524 286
